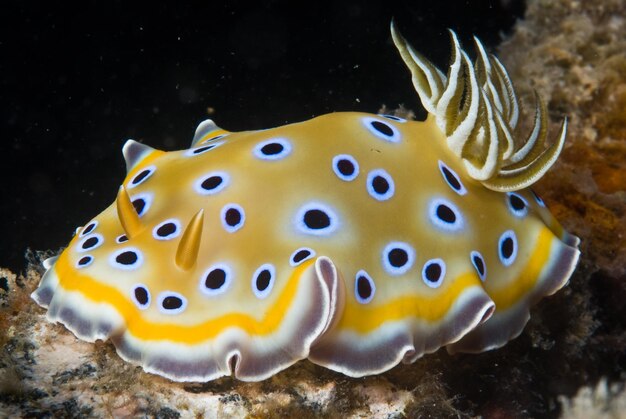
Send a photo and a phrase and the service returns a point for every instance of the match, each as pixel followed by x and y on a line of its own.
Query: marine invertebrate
pixel 354 240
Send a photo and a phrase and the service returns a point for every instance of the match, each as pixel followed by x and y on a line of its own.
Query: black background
pixel 77 80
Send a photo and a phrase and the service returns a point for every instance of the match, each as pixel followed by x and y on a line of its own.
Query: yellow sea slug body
pixel 354 240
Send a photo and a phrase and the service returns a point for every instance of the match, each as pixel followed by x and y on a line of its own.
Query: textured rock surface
pixel 603 401
pixel 574 53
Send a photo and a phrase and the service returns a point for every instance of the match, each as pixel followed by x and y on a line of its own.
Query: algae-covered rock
pixel 601 401
pixel 574 54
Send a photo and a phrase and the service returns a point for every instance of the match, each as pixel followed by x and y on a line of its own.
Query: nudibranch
pixel 353 240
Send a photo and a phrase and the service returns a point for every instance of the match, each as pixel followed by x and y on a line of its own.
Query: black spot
pixel 507 247
pixel 263 280
pixel 451 179
pixel 85 260
pixel 127 258
pixel 166 229
pixel 215 279
pixel 90 242
pixel 211 182
pixel 123 238
pixel 345 167
pixel 90 227
pixel 433 272
pixel 141 176
pixel 517 203
pixel 172 303
pixel 139 205
pixel 479 264
pixel 200 150
pixel 363 287
pixel 232 217
pixel 272 149
pixel 393 117
pixel 301 255
pixel 380 185
pixel 398 257
pixel 141 295
pixel 217 137
pixel 538 198
pixel 316 219
pixel 445 213
pixel 382 128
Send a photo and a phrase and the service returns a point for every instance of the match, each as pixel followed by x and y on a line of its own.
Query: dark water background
pixel 76 81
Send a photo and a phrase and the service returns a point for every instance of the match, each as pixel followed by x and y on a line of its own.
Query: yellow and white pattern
pixel 354 240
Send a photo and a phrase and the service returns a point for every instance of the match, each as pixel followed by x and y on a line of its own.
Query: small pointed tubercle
pixel 189 244
pixel 49 262
pixel 126 213
pixel 134 152
pixel 206 130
